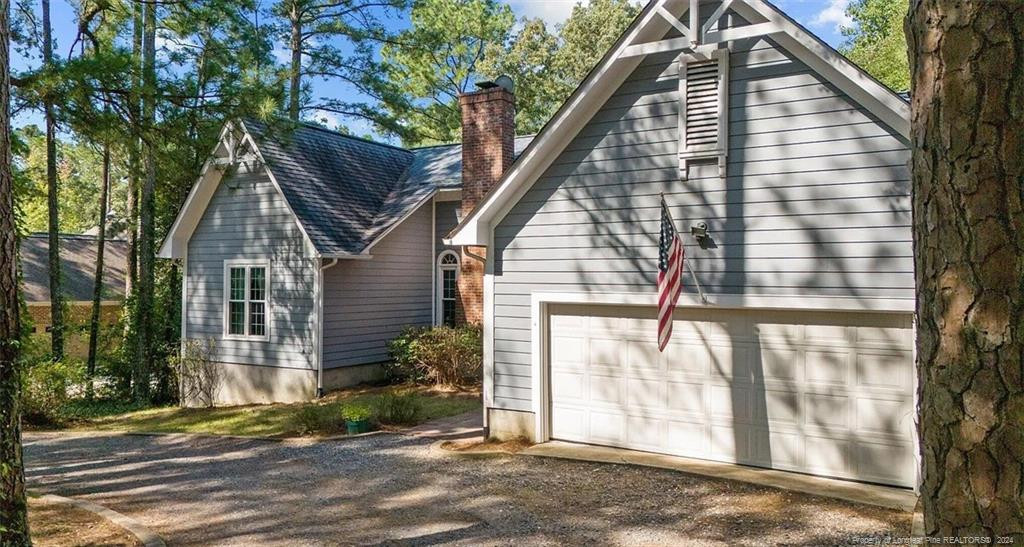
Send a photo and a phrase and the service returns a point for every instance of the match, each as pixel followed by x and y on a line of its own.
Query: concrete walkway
pixel 856 492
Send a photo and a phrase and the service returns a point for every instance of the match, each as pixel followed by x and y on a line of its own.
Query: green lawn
pixel 321 417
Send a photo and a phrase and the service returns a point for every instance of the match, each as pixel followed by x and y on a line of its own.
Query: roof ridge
pixel 424 147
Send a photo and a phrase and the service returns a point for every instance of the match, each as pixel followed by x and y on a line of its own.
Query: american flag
pixel 670 275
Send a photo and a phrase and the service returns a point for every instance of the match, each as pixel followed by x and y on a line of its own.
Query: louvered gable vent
pixel 703 109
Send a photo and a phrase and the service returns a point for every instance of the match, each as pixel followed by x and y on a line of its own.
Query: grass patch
pixel 321 417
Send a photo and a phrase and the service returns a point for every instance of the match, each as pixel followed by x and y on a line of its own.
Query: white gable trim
pixel 623 58
pixel 175 244
pixel 566 123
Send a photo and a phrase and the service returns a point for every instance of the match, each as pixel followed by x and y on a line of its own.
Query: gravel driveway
pixel 386 489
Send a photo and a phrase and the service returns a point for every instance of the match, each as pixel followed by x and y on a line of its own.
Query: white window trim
pixel 248 263
pixel 721 150
pixel 439 287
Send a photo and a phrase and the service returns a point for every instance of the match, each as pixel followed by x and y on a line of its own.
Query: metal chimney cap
pixel 502 81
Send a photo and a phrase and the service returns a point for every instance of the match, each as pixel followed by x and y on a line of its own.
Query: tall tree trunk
pixel 145 338
pixel 56 291
pixel 97 287
pixel 967 62
pixel 295 93
pixel 13 508
pixel 133 151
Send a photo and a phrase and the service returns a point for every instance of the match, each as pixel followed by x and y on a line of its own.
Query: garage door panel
pixel 778 406
pixel 829 411
pixel 828 455
pixel 606 352
pixel 645 393
pixel 606 390
pixel 884 462
pixel 686 398
pixel 567 349
pixel 730 363
pixel 646 432
pixel 607 427
pixel 886 370
pixel 685 438
pixel 815 392
pixel 731 443
pixel 827 367
pixel 567 385
pixel 688 359
pixel 774 362
pixel 883 416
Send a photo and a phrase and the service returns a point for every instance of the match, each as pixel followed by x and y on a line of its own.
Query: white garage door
pixel 828 393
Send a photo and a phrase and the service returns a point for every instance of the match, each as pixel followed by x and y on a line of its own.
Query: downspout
pixel 320 327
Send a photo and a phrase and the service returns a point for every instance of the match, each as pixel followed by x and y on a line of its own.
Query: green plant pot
pixel 357 427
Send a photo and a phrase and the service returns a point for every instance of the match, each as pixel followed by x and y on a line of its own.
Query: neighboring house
pixel 802 358
pixel 78 276
pixel 306 251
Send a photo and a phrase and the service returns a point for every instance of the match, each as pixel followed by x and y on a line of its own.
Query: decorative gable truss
pixel 704 108
pixel 646 36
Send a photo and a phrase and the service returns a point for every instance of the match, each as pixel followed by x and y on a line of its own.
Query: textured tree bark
pixel 13 509
pixel 56 291
pixel 97 287
pixel 967 62
pixel 133 153
pixel 147 209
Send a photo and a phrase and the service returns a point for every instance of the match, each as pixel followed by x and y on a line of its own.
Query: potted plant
pixel 357 417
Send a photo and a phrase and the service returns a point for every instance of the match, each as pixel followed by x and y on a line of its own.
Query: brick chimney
pixel 488 148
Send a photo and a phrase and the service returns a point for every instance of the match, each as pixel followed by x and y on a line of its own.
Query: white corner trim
pixel 540 302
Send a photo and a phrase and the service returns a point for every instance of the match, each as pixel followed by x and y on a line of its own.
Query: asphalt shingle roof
pixel 347 191
pixel 78 267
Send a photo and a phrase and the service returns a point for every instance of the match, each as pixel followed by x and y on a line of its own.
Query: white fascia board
pixel 175 242
pixel 567 122
pixel 838 70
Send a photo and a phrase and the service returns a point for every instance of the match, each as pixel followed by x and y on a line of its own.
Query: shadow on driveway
pixel 391 488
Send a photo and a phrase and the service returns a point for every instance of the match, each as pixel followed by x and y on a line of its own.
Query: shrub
pixel 47 386
pixel 398 408
pixel 311 418
pixel 448 356
pixel 356 412
pixel 402 367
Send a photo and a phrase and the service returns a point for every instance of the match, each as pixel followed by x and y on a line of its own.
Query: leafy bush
pixel 448 356
pixel 356 412
pixel 47 386
pixel 312 418
pixel 398 408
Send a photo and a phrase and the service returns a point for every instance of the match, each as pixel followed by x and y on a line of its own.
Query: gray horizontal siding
pixel 816 202
pixel 445 220
pixel 369 302
pixel 252 222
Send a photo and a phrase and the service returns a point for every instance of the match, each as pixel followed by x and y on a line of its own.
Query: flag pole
pixel 696 283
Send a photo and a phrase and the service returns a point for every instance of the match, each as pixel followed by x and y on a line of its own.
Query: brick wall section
pixel 488 148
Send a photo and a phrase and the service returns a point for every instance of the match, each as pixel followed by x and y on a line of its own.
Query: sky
pixel 822 17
